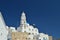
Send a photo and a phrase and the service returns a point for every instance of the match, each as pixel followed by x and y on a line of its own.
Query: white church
pixel 5 31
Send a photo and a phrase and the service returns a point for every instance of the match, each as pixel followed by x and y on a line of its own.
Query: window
pixel 8 39
pixel 33 38
pixel 1 33
pixel 39 39
pixel 29 33
pixel 26 38
pixel 44 38
pixel 24 31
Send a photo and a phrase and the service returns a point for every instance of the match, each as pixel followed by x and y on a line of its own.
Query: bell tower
pixel 23 19
pixel 22 23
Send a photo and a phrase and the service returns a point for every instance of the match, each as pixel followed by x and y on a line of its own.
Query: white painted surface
pixel 3 29
pixel 43 36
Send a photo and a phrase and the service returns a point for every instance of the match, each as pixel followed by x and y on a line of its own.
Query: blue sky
pixel 44 13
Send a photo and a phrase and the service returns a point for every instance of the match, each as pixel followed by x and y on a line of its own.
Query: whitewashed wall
pixel 3 29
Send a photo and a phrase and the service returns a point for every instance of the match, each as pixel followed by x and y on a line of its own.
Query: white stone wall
pixel 12 29
pixel 3 29
pixel 43 36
